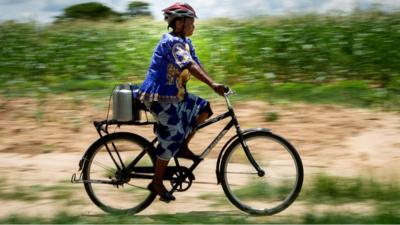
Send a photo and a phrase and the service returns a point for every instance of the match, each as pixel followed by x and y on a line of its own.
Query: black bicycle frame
pixel 230 113
pixel 139 171
pixel 231 123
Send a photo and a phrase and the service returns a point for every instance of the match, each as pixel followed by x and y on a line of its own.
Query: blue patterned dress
pixel 164 94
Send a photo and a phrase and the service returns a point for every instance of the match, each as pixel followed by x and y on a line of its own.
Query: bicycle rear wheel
pixel 108 185
pixel 260 194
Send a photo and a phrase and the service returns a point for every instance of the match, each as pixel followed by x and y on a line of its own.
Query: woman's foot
pixel 160 190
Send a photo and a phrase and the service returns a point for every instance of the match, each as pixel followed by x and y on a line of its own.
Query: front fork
pixel 250 157
pixel 239 131
pixel 246 149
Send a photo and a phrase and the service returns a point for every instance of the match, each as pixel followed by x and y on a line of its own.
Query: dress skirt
pixel 175 122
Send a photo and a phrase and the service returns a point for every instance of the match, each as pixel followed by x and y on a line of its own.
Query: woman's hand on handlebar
pixel 218 88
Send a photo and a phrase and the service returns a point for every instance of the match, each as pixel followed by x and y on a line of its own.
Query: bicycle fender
pixel 229 142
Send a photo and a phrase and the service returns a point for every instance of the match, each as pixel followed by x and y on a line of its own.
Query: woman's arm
pixel 202 75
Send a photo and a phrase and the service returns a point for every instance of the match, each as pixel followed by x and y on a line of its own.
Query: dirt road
pixel 42 141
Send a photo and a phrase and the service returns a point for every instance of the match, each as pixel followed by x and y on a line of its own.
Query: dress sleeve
pixel 178 54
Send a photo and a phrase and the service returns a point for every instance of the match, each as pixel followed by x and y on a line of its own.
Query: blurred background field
pixel 55 79
pixel 346 59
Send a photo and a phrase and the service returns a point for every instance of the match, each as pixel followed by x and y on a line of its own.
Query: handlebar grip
pixel 226 89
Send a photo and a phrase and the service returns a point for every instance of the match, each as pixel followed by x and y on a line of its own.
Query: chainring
pixel 182 179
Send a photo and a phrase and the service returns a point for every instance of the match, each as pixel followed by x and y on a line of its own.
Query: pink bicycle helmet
pixel 178 10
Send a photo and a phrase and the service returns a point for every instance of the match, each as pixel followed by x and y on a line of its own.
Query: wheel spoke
pixel 267 193
pixel 124 193
pixel 109 169
pixel 136 186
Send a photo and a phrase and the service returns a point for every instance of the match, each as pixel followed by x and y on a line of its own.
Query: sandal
pixel 165 197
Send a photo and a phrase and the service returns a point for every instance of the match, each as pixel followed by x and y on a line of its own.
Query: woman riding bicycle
pixel 164 92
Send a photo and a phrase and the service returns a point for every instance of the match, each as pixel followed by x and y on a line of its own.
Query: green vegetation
pixel 271 116
pixel 88 10
pixel 383 197
pixel 138 8
pixel 257 190
pixel 340 190
pixel 347 93
pixel 351 60
pixel 59 192
pixel 382 216
pixel 180 218
pixel 20 193
pixel 329 189
pixel 97 11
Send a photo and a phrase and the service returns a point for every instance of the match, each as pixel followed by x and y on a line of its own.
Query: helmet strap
pixel 181 32
pixel 183 29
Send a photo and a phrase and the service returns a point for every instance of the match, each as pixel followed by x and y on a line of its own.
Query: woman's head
pixel 180 17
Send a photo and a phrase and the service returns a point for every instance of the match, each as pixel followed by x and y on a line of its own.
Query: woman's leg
pixel 202 117
pixel 157 185
pixel 159 171
pixel 185 151
pixel 163 114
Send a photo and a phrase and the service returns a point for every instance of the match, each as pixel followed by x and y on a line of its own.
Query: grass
pixel 330 189
pixel 216 200
pixel 179 218
pixel 382 216
pixel 262 190
pixel 326 189
pixel 20 193
pixel 322 189
pixel 32 193
pixel 271 116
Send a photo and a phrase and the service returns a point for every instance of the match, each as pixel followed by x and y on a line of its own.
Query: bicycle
pixel 260 172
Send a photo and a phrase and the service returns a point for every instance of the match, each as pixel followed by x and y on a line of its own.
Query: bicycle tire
pixel 268 194
pixel 130 198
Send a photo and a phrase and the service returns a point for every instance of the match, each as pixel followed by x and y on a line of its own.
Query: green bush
pixel 88 10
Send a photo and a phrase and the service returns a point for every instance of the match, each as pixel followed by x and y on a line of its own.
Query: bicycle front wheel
pixel 258 193
pixel 107 181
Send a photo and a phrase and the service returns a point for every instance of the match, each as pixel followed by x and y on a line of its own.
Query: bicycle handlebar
pixel 228 91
